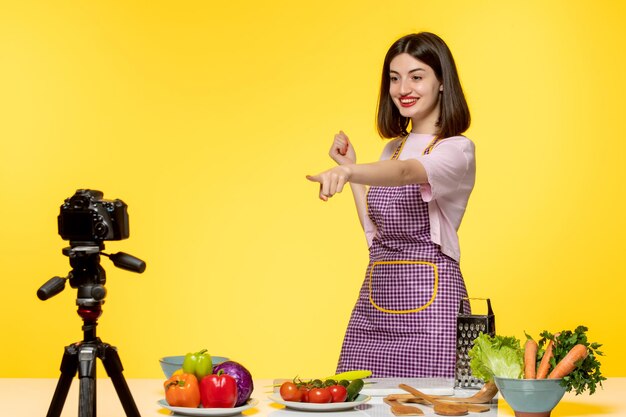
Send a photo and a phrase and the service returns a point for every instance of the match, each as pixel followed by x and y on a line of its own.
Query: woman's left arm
pixel 388 173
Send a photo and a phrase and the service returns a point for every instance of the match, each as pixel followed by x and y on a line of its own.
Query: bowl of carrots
pixel 531 397
pixel 533 379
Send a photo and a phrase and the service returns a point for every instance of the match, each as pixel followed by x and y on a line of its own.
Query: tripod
pixel 81 357
pixel 89 277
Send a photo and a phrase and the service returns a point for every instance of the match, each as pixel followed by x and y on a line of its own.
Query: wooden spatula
pixel 473 408
pixel 401 409
pixel 440 407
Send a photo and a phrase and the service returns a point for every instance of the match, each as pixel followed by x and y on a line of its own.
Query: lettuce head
pixel 500 356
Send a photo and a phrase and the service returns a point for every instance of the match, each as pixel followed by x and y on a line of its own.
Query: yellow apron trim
pixel 427 150
pixel 430 147
pixel 398 150
pixel 415 310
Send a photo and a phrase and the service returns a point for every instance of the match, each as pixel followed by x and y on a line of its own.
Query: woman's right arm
pixel 342 152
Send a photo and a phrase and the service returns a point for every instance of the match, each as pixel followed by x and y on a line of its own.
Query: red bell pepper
pixel 218 391
pixel 182 391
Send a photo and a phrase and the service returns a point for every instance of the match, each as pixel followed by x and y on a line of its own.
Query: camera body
pixel 87 217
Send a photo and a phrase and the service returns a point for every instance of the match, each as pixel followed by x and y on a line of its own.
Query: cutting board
pixel 380 387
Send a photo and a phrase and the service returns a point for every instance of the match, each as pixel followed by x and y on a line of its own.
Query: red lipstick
pixel 407 101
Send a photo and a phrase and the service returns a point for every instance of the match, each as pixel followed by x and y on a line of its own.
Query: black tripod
pixel 89 278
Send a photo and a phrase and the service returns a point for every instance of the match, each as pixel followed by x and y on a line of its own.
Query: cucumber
pixel 353 389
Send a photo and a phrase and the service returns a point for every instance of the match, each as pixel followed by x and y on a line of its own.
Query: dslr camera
pixel 86 217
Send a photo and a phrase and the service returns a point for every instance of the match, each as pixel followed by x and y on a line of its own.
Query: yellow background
pixel 205 117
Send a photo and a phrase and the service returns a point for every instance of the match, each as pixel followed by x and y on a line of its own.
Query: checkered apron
pixel 404 321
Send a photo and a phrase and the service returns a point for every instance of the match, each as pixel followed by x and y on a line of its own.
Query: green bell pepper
pixel 198 364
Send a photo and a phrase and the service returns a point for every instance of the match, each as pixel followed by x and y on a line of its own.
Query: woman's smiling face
pixel 414 89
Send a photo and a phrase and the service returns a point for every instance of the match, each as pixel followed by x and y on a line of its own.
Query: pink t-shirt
pixel 451 170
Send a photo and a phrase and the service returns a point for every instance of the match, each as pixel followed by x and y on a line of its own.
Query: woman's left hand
pixel 331 181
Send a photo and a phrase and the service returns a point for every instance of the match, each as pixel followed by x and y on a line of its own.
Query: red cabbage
pixel 241 375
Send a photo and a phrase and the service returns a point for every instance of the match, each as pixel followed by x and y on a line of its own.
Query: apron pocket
pixel 400 287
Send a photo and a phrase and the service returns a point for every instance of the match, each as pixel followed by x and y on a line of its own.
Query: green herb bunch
pixel 587 375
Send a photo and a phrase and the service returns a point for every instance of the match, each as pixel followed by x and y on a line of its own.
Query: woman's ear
pixel 441 87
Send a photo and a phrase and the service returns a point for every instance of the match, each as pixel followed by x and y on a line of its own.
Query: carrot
pixel 530 359
pixel 568 363
pixel 544 365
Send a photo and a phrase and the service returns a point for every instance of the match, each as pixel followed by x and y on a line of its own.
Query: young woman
pixel 404 322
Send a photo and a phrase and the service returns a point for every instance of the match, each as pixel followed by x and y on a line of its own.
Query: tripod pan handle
pixel 128 262
pixel 51 288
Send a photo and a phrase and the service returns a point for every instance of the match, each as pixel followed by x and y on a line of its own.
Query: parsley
pixel 587 374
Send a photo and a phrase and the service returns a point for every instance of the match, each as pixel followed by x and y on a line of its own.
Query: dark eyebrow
pixel 410 72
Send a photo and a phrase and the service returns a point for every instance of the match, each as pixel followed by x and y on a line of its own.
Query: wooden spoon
pixel 474 408
pixel 485 395
pixel 441 408
pixel 401 409
pixel 477 408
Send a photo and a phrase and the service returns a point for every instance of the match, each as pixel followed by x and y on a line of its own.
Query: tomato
pixel 320 395
pixel 290 392
pixel 339 393
pixel 305 394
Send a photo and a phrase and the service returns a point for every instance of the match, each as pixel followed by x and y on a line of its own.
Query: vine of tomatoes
pixel 318 391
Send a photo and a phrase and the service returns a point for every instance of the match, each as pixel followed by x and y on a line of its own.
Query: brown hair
pixel 454 116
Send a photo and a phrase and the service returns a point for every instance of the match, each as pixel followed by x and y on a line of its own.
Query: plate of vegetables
pixel 329 394
pixel 204 389
pixel 215 412
pixel 300 406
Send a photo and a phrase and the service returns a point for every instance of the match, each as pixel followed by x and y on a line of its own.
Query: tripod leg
pixel 87 354
pixel 86 400
pixel 113 365
pixel 69 366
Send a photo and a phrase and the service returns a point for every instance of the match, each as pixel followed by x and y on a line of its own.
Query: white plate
pixel 320 407
pixel 189 411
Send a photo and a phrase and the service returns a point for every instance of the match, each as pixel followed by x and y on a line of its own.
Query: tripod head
pixel 87 275
pixel 86 220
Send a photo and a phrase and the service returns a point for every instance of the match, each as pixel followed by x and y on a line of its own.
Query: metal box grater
pixel 468 327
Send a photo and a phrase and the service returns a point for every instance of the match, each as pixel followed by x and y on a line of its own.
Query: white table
pixel 30 397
